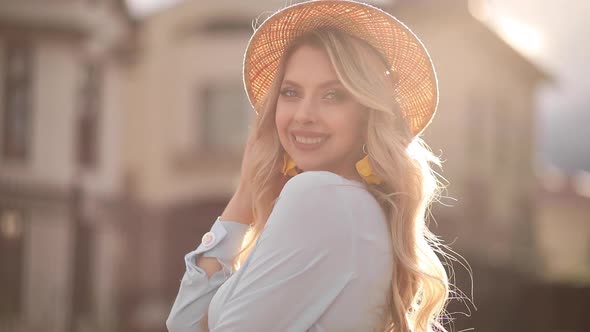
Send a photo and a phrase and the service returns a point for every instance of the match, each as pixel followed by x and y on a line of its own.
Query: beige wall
pixel 52 161
pixel 58 62
pixel 48 255
pixel 168 102
pixel 174 61
pixel 471 62
pixel 109 254
pixel 55 74
pixel 563 235
pixel 106 178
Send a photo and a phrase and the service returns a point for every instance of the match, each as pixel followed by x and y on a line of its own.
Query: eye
pixel 288 92
pixel 335 95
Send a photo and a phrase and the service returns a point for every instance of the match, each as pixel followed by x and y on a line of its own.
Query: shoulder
pixel 319 198
pixel 314 208
pixel 326 196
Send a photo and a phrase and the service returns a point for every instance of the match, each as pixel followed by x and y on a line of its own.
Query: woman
pixel 335 185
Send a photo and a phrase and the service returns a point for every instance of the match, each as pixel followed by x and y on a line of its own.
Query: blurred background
pixel 122 125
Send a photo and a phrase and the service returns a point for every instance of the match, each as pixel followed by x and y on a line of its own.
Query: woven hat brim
pixel 416 88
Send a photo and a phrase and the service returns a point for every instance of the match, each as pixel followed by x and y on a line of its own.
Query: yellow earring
pixel 363 167
pixel 289 166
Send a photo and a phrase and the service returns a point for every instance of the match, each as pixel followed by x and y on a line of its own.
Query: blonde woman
pixel 335 185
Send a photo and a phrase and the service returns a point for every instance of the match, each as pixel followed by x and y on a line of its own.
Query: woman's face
pixel 320 124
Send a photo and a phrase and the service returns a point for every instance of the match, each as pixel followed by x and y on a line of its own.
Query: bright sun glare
pixel 519 35
pixel 145 7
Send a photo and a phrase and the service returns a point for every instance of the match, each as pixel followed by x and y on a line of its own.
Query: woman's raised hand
pixel 239 207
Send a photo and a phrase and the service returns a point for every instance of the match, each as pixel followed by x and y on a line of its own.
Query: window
pixel 225 117
pixel 12 228
pixel 89 115
pixel 16 133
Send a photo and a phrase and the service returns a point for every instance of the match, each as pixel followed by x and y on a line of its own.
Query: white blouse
pixel 322 263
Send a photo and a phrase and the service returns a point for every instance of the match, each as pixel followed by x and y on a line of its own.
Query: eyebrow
pixel 324 84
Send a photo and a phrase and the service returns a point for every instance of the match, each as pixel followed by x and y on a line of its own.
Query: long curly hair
pixel 419 283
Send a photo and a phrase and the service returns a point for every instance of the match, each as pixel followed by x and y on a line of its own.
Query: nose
pixel 306 111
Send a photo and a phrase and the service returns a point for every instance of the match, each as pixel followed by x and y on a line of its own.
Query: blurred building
pixel 61 72
pixel 122 142
pixel 560 298
pixel 484 131
pixel 562 229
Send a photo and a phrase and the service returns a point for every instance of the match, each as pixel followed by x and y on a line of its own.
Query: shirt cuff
pixel 223 242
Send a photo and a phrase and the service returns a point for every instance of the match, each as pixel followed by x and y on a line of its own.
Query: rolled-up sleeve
pixel 196 290
pixel 303 260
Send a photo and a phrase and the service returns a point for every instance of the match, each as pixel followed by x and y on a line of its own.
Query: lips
pixel 305 140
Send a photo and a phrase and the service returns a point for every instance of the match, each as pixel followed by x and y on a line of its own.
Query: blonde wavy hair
pixel 420 286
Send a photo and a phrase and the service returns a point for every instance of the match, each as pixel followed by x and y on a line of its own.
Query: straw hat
pixel 416 87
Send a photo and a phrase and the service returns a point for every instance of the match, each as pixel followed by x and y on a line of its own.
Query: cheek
pixel 349 132
pixel 350 127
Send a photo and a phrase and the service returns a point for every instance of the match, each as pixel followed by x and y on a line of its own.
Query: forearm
pixel 237 210
pixel 207 268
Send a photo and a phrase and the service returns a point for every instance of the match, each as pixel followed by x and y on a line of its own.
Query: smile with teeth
pixel 308 140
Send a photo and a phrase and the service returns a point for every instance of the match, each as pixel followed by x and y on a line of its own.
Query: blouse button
pixel 208 238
